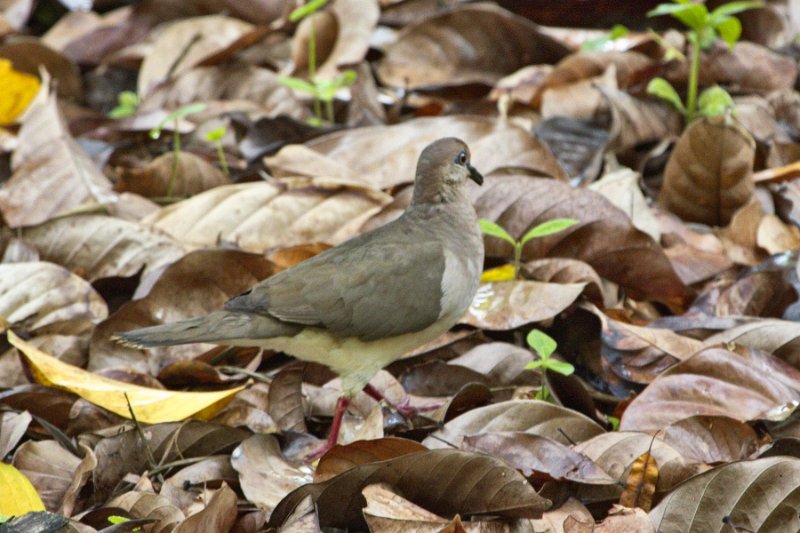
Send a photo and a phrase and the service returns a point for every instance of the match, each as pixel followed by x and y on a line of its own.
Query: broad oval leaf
pixel 468 44
pixel 259 216
pixel 760 495
pixel 40 297
pixel 21 496
pixel 445 482
pixel 531 416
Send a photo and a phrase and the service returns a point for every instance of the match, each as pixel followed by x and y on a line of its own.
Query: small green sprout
pixel 704 27
pixel 544 346
pixel 127 104
pixel 155 133
pixel 323 91
pixel 545 228
pixel 215 137
pixel 600 43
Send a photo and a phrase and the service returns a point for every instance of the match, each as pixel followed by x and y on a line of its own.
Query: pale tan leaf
pixel 184 44
pixel 49 467
pixel 52 174
pixel 357 20
pixel 45 298
pixel 98 246
pixel 259 216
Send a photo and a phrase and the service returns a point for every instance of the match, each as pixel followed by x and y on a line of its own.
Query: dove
pixel 365 303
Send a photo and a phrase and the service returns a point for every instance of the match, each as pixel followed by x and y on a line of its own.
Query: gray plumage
pixel 362 304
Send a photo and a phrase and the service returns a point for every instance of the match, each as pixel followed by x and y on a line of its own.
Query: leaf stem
pixel 694 72
pixel 517 258
pixel 176 155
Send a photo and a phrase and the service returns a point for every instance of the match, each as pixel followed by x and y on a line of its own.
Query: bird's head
pixel 443 170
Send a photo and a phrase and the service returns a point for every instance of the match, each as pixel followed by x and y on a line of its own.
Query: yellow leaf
pixel 501 273
pixel 151 406
pixel 18 496
pixel 18 89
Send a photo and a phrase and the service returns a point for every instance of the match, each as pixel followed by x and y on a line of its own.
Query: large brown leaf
pixel 52 174
pixel 445 482
pixel 531 416
pixel 760 495
pixel 259 216
pixel 710 172
pixel 468 44
pixel 386 156
pixel 97 246
pixel 41 297
pixel 605 237
pixel 743 386
pixel 192 175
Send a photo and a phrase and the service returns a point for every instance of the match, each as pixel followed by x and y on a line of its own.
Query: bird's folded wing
pixel 369 290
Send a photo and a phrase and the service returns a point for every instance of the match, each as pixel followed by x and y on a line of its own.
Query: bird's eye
pixel 461 158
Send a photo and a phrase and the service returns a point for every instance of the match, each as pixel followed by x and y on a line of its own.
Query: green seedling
pixel 175 117
pixel 544 346
pixel 545 228
pixel 323 91
pixel 617 31
pixel 215 137
pixel 127 104
pixel 115 519
pixel 704 27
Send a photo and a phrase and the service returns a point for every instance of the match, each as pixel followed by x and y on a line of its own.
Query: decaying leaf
pixel 709 174
pixel 640 486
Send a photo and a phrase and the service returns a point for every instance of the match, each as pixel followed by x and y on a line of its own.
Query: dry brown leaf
pixel 285 404
pixel 51 171
pixel 712 439
pixel 190 489
pixel 259 216
pixel 640 485
pixel 197 284
pixel 781 338
pixel 96 246
pixel 605 237
pixel 264 474
pixel 385 156
pixel 531 416
pixel 636 121
pixel 148 505
pixel 186 43
pixel 49 467
pixel 759 495
pixel 709 174
pixel 41 298
pixel 508 305
pixel 219 515
pixel 29 55
pixel 625 520
pixel 443 481
pixel 534 456
pixel 743 386
pixel 356 24
pixel 12 429
pixel 468 44
pixel 255 85
pixel 775 237
pixel 192 175
pixel 621 188
pixel 389 512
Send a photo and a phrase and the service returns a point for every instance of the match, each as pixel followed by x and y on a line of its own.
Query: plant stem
pixel 176 155
pixel 222 160
pixel 312 65
pixel 517 258
pixel 329 110
pixel 694 72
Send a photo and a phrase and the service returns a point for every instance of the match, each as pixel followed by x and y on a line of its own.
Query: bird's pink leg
pixel 403 407
pixel 341 407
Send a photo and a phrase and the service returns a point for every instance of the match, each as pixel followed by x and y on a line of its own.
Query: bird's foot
pixel 333 436
pixel 404 407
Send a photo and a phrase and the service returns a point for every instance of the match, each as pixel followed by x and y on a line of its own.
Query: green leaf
pixel 730 29
pixel 309 9
pixel 663 89
pixel 614 421
pixel 128 98
pixel 299 84
pixel 215 134
pixel 670 52
pixel 561 367
pixel 705 37
pixel 732 8
pixel 536 363
pixel 715 101
pixel 617 31
pixel 176 115
pixel 599 43
pixel 495 230
pixel 114 519
pixel 548 228
pixel 695 16
pixel 542 343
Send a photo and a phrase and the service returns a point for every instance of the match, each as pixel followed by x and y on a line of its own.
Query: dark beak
pixel 474 175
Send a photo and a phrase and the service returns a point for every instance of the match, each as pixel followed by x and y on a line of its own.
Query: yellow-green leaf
pixel 501 273
pixel 151 406
pixel 19 495
pixel 18 89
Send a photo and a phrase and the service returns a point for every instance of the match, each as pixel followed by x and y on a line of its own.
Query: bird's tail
pixel 220 327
